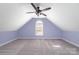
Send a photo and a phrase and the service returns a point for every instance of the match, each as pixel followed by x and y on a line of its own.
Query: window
pixel 39 28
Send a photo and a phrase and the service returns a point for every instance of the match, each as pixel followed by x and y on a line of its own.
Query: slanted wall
pixel 50 30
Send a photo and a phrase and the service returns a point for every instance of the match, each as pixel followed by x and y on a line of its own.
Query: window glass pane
pixel 39 28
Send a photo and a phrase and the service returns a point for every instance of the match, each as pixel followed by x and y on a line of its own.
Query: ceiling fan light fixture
pixel 38 10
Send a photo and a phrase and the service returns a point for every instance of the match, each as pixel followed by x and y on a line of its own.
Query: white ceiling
pixel 13 16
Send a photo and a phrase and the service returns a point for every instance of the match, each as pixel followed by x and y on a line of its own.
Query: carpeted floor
pixel 39 47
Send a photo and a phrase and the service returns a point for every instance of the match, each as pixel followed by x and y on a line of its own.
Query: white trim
pixel 7 42
pixel 71 42
pixel 39 38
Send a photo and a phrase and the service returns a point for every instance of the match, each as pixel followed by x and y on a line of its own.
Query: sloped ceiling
pixel 13 16
pixel 64 15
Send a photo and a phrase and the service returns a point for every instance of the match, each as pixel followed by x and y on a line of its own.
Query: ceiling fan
pixel 38 11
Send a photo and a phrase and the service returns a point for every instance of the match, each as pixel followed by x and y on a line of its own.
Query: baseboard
pixel 7 42
pixel 73 43
pixel 39 38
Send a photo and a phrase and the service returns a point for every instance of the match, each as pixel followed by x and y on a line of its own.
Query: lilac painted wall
pixel 72 36
pixel 50 30
pixel 7 36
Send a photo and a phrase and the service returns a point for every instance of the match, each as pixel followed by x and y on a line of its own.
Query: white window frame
pixel 39 28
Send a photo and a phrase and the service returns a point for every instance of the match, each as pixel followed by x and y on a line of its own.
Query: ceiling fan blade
pixel 46 9
pixel 29 12
pixel 43 14
pixel 34 6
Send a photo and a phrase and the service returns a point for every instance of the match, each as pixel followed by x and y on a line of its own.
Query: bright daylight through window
pixel 39 28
